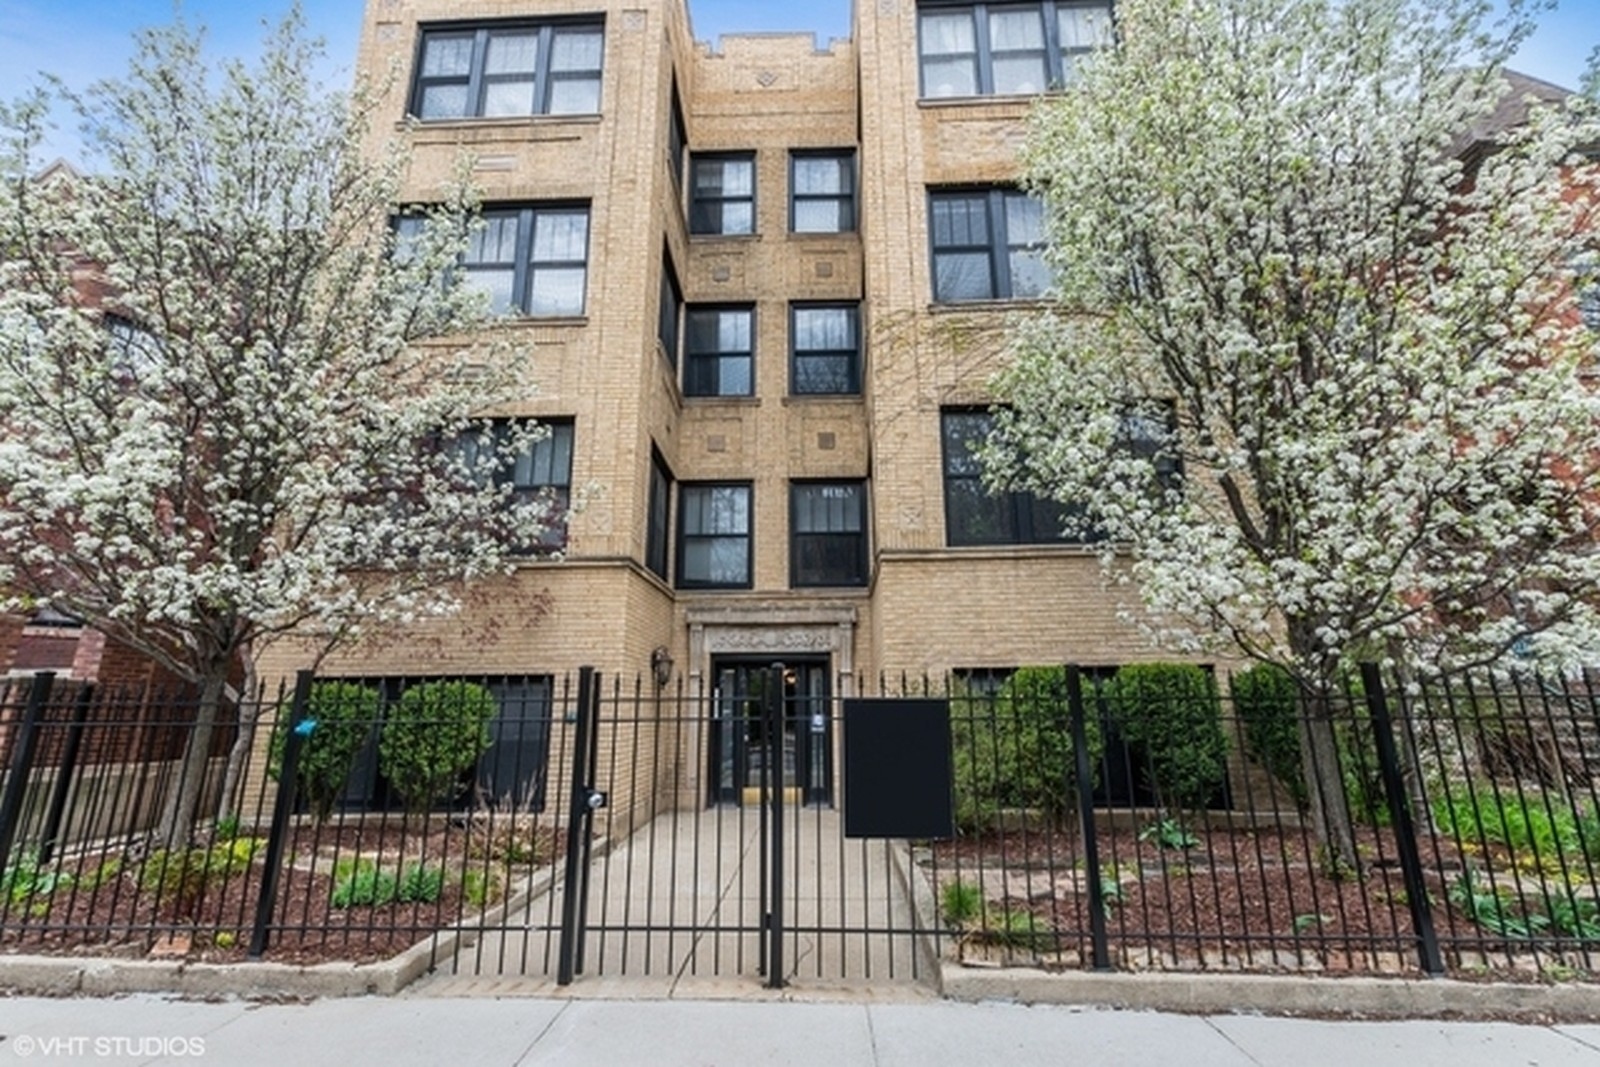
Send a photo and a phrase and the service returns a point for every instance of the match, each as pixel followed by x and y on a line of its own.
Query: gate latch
pixel 594 799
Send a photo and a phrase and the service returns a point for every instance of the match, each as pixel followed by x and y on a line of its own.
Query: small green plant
pixel 1496 910
pixel 227 828
pixel 420 884
pixel 431 737
pixel 26 883
pixel 361 884
pixel 1015 928
pixel 479 888
pixel 180 877
pixel 1537 834
pixel 1112 895
pixel 1302 923
pixel 1573 916
pixel 962 903
pixel 1169 833
pixel 225 939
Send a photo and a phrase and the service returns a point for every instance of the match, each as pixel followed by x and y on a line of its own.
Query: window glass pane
pixel 963 276
pixel 728 562
pixel 819 176
pixel 1015 30
pixel 738 178
pixel 733 331
pixel 1019 74
pixel 508 98
pixel 560 236
pixel 738 217
pixel 445 56
pixel 949 77
pixel 443 102
pixel 825 374
pixel 1024 220
pixel 576 50
pixel 960 221
pixel 495 242
pixel 497 283
pixel 975 517
pixel 733 376
pixel 819 216
pixel 512 53
pixel 1030 275
pixel 1084 27
pixel 948 34
pixel 575 96
pixel 824 328
pixel 557 291
pixel 964 434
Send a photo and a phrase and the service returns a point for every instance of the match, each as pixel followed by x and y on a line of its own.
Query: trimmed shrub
pixel 345 714
pixel 431 737
pixel 1172 712
pixel 1014 749
pixel 1267 701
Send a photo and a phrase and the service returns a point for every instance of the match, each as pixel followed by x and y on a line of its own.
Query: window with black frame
pixel 714 535
pixel 504 70
pixel 528 259
pixel 659 517
pixel 722 194
pixel 974 515
pixel 719 354
pixel 987 244
pixel 538 472
pixel 1006 49
pixel 822 191
pixel 670 313
pixel 828 533
pixel 825 350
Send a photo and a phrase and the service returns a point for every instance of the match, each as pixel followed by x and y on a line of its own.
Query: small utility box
pixel 897 768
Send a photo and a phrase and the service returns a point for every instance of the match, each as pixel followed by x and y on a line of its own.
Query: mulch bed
pixel 110 906
pixel 1239 899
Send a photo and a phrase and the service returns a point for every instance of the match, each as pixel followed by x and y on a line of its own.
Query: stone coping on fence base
pixel 1269 994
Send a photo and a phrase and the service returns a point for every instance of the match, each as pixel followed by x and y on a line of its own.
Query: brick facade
pixel 923 606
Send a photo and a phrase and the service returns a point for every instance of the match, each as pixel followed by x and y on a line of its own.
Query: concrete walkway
pixel 676 910
pixel 490 1032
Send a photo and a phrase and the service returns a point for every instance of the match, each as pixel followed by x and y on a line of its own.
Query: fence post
pixel 776 712
pixel 578 815
pixel 27 741
pixel 63 785
pixel 1099 939
pixel 282 808
pixel 1404 829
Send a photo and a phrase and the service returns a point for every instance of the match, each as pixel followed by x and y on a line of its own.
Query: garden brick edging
pixel 1220 994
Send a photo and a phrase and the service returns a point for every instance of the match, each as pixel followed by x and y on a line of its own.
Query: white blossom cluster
pixel 1292 224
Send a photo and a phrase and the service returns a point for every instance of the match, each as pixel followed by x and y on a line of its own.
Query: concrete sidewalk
pixel 610 1033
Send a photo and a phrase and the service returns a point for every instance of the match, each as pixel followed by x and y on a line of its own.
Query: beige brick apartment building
pixel 765 284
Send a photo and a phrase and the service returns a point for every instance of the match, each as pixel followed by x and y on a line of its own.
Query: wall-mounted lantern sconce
pixel 661 665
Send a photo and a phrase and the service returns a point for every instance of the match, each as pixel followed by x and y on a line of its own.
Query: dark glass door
pixel 740 746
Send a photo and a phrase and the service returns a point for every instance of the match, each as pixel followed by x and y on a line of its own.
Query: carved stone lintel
pixel 771 639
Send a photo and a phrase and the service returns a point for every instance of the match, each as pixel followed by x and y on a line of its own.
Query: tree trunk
pixel 183 799
pixel 1330 809
pixel 250 704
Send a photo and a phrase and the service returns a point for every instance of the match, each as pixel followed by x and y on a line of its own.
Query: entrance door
pixel 739 742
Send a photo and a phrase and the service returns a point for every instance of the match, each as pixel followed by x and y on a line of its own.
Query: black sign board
pixel 897 769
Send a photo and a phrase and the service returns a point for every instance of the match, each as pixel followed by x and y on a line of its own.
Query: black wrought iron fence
pixel 1139 819
pixel 1452 826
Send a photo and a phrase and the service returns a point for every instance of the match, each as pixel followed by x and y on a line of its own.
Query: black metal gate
pixel 664 874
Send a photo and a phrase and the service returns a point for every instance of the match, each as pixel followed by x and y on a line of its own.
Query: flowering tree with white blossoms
pixel 231 408
pixel 1298 251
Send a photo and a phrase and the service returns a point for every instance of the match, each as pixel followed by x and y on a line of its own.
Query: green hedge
pixel 1172 712
pixel 431 737
pixel 345 714
pixel 1014 749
